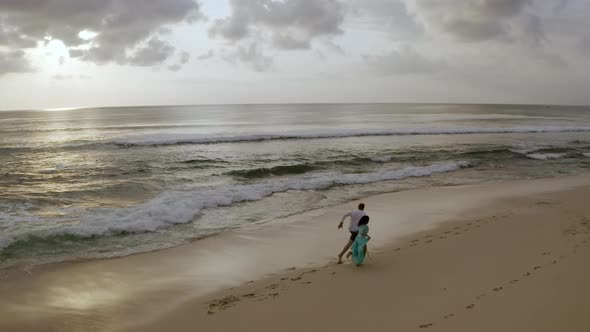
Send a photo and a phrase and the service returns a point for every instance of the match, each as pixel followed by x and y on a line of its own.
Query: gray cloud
pixel 389 16
pixel 404 61
pixel 13 62
pixel 291 24
pixel 470 20
pixel 206 56
pixel 125 30
pixel 252 55
pixel 183 59
pixel 154 52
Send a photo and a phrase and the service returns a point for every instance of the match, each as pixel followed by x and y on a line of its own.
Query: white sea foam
pixel 546 156
pixel 181 206
pixel 170 139
pixel 524 148
pixel 5 241
pixel 382 159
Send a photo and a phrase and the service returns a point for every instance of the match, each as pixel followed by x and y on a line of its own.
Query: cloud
pixel 288 24
pixel 61 77
pixel 404 61
pixel 389 16
pixel 120 31
pixel 13 62
pixel 469 20
pixel 252 55
pixel 206 56
pixel 154 52
pixel 183 59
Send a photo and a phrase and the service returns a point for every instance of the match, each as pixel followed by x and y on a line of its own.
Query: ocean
pixel 107 182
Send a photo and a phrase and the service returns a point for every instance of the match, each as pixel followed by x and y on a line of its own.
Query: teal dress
pixel 358 252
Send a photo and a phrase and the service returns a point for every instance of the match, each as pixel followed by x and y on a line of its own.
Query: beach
pixel 508 256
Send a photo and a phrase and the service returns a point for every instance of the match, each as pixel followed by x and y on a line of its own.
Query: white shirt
pixel 355 217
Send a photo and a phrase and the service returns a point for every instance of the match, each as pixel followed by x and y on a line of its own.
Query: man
pixel 355 216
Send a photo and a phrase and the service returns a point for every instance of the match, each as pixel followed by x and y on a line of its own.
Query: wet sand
pixel 509 256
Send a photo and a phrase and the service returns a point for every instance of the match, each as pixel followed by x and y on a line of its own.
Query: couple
pixel 359 235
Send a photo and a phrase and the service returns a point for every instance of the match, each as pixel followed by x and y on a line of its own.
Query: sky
pixel 89 53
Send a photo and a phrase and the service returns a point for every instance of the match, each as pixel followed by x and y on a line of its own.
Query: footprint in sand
pixel 442 237
pixel 429 241
pixel 249 295
pixel 526 274
pixel 447 232
pixel 449 316
pixel 296 278
pixel 471 306
pixel 307 283
pixel 283 279
pixel 457 233
pixel 413 245
pixel 424 326
pixel 223 303
pixel 536 267
pixel 427 236
pixel 497 289
pixel 554 262
pixel 273 286
pixel 414 241
pixel 514 281
pixel 398 249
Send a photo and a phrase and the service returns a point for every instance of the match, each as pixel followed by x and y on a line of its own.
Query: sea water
pixel 105 182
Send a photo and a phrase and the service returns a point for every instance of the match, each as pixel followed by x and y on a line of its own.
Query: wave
pixel 548 156
pixel 493 153
pixel 167 139
pixel 182 206
pixel 273 171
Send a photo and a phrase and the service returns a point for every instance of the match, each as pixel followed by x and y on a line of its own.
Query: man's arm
pixel 349 214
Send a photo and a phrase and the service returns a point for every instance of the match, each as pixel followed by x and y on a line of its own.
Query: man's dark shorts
pixel 353 235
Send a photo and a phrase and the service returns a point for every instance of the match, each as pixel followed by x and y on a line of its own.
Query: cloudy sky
pixel 81 53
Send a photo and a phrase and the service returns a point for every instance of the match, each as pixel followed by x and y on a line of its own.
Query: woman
pixel 359 247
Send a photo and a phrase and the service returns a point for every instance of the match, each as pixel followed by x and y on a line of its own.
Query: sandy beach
pixel 505 256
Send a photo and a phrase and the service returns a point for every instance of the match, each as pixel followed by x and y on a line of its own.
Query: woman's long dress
pixel 358 251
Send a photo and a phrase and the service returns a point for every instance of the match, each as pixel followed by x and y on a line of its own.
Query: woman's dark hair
pixel 364 220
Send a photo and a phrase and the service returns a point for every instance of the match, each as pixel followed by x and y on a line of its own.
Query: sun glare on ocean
pixel 61 109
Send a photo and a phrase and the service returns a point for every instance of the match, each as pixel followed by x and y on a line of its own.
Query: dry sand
pixel 511 256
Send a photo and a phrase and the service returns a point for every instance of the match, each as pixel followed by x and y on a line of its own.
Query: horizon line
pixel 74 108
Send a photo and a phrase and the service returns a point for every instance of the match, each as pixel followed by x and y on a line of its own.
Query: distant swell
pixel 179 207
pixel 168 139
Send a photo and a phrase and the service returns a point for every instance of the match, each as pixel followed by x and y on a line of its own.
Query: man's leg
pixel 346 247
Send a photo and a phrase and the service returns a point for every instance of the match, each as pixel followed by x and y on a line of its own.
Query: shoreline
pixel 171 292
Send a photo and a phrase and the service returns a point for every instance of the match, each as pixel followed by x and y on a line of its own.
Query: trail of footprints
pixel 583 227
pixel 268 292
pixel 457 230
